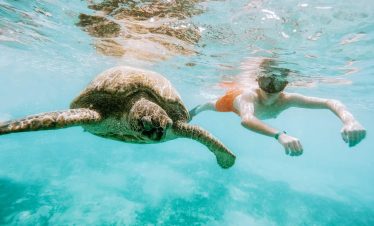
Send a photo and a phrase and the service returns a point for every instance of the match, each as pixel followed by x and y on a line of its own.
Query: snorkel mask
pixel 274 81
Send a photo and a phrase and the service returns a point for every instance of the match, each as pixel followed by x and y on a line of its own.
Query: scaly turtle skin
pixel 130 105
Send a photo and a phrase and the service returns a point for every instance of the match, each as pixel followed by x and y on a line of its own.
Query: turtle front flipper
pixel 51 120
pixel 225 158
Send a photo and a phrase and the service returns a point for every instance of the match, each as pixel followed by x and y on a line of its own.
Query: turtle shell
pixel 113 91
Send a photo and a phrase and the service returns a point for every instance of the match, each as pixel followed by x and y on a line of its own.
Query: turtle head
pixel 149 120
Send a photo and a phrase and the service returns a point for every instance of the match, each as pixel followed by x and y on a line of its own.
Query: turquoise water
pixel 68 177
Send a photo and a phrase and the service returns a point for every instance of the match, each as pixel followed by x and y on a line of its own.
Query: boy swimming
pixel 269 99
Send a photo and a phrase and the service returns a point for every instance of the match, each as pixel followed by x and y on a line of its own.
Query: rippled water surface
pixel 51 49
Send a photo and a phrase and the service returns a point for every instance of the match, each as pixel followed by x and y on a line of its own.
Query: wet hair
pixel 272 79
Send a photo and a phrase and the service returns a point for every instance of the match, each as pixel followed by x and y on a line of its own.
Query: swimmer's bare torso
pixel 255 103
pixel 260 108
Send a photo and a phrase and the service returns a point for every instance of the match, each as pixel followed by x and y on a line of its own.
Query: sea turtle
pixel 130 105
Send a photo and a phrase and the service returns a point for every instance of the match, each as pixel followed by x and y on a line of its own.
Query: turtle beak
pixel 160 132
pixel 155 134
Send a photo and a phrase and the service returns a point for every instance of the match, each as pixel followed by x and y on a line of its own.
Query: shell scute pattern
pixel 124 80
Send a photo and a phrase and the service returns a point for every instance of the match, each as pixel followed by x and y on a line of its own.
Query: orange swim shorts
pixel 226 102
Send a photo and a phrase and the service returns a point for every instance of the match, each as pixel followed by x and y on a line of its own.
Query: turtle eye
pixel 146 123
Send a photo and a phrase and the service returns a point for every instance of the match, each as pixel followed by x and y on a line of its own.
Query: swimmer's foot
pixel 225 158
pixel 193 112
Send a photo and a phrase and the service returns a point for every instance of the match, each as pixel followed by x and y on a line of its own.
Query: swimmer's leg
pixel 209 106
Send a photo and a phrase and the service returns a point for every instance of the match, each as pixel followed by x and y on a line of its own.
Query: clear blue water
pixel 68 177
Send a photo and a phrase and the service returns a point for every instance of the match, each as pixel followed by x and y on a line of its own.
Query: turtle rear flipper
pixel 225 158
pixel 51 120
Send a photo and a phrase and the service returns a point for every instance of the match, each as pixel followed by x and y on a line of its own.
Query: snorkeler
pixel 268 100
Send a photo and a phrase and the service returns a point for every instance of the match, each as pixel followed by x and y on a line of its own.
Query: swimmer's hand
pixel 292 145
pixel 353 133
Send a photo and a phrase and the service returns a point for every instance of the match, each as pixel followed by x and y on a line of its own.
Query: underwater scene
pixel 168 166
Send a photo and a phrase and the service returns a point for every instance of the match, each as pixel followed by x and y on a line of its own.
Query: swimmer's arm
pixel 298 100
pixel 352 132
pixel 250 121
pixel 291 144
